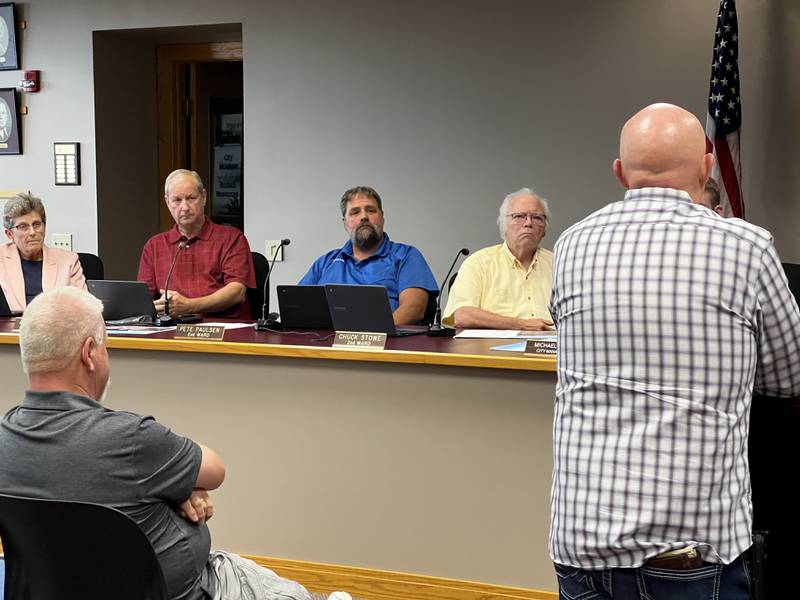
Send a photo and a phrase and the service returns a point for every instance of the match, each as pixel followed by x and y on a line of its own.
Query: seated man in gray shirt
pixel 61 443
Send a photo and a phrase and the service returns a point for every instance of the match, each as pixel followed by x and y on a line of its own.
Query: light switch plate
pixel 271 246
pixel 63 241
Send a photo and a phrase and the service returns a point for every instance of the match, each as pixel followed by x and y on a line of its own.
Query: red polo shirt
pixel 216 256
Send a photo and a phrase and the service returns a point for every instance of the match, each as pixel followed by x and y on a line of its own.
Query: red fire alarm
pixel 30 81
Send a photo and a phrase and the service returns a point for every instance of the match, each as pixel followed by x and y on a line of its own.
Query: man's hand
pixel 178 304
pixel 198 508
pixel 535 325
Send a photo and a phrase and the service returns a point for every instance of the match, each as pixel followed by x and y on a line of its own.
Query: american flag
pixel 725 111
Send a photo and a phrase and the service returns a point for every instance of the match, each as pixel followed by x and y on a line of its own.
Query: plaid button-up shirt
pixel 215 257
pixel 668 317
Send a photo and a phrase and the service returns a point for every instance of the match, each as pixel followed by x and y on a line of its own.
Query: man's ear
pixel 87 353
pixel 617 168
pixel 9 235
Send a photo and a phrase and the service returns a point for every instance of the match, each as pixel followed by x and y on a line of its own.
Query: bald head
pixel 663 145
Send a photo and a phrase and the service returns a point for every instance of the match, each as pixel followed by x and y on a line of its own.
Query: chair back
pixel 92 266
pixel 430 309
pixel 793 275
pixel 75 551
pixel 256 297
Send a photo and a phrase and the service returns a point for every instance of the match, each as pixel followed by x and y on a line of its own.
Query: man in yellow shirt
pixel 507 286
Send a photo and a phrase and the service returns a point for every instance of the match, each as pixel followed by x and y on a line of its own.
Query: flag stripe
pixel 729 176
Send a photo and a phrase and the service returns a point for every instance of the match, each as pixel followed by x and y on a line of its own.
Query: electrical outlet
pixel 63 241
pixel 272 245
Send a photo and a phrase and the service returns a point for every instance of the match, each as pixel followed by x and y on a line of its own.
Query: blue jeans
pixel 709 582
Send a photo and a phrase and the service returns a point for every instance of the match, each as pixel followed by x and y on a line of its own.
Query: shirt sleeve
pixel 415 272
pixel 312 276
pixel 466 290
pixel 237 264
pixel 166 464
pixel 76 277
pixel 147 271
pixel 778 369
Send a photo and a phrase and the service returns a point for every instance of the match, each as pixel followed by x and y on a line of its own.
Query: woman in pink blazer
pixel 27 266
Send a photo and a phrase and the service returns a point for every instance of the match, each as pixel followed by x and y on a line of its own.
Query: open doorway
pixel 132 161
pixel 200 123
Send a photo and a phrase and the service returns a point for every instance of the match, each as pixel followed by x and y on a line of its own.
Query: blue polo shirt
pixel 394 266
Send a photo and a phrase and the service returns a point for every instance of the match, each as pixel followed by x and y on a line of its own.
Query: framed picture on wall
pixel 9 49
pixel 9 122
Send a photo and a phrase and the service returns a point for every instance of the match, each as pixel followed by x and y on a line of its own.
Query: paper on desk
pixel 507 334
pixel 488 333
pixel 136 329
pixel 230 325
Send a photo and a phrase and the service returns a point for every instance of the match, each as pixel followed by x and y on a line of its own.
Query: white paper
pixel 487 334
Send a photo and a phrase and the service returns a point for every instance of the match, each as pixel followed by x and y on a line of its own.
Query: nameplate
pixel 200 332
pixel 541 347
pixel 357 340
pixel 17 323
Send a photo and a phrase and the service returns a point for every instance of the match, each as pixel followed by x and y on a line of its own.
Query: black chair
pixel 430 309
pixel 793 275
pixel 451 282
pixel 255 297
pixel 76 551
pixel 92 266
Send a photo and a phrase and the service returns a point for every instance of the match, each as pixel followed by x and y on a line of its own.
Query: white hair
pixel 180 173
pixel 55 325
pixel 502 223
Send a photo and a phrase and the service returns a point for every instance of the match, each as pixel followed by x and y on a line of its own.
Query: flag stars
pixel 731 104
pixel 726 120
pixel 728 66
pixel 724 81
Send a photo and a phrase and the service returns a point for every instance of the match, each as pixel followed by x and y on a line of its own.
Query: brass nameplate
pixel 200 332
pixel 356 340
pixel 541 347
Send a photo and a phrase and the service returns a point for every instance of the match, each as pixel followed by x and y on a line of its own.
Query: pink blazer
pixel 59 268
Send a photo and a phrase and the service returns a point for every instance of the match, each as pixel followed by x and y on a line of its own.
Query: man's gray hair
pixel 55 325
pixel 177 174
pixel 20 205
pixel 502 221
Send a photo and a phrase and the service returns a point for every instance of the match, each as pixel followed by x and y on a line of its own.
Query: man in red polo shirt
pixel 215 267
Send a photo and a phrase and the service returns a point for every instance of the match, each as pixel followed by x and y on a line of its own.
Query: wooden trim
pixel 374 584
pixel 327 353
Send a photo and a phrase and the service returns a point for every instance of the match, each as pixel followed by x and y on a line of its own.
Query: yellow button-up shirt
pixel 494 280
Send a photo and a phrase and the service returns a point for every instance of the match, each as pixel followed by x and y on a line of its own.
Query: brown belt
pixel 677 560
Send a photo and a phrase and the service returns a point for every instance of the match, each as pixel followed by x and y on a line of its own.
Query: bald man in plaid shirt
pixel 668 319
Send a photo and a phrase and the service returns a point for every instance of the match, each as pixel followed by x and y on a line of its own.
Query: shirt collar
pixel 174 235
pixel 59 401
pixel 383 249
pixel 513 259
pixel 657 193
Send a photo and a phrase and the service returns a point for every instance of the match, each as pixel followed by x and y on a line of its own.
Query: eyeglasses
pixel 37 226
pixel 520 218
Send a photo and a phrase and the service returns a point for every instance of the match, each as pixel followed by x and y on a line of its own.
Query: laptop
pixel 364 308
pixel 303 307
pixel 123 299
pixel 5 310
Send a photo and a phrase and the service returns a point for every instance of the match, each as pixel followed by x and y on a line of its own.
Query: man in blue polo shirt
pixel 370 258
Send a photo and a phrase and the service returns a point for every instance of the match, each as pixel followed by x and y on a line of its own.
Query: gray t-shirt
pixel 66 446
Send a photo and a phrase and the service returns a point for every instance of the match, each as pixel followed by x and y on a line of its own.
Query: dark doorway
pixel 130 148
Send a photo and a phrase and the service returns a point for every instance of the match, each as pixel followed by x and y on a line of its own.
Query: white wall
pixel 443 106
